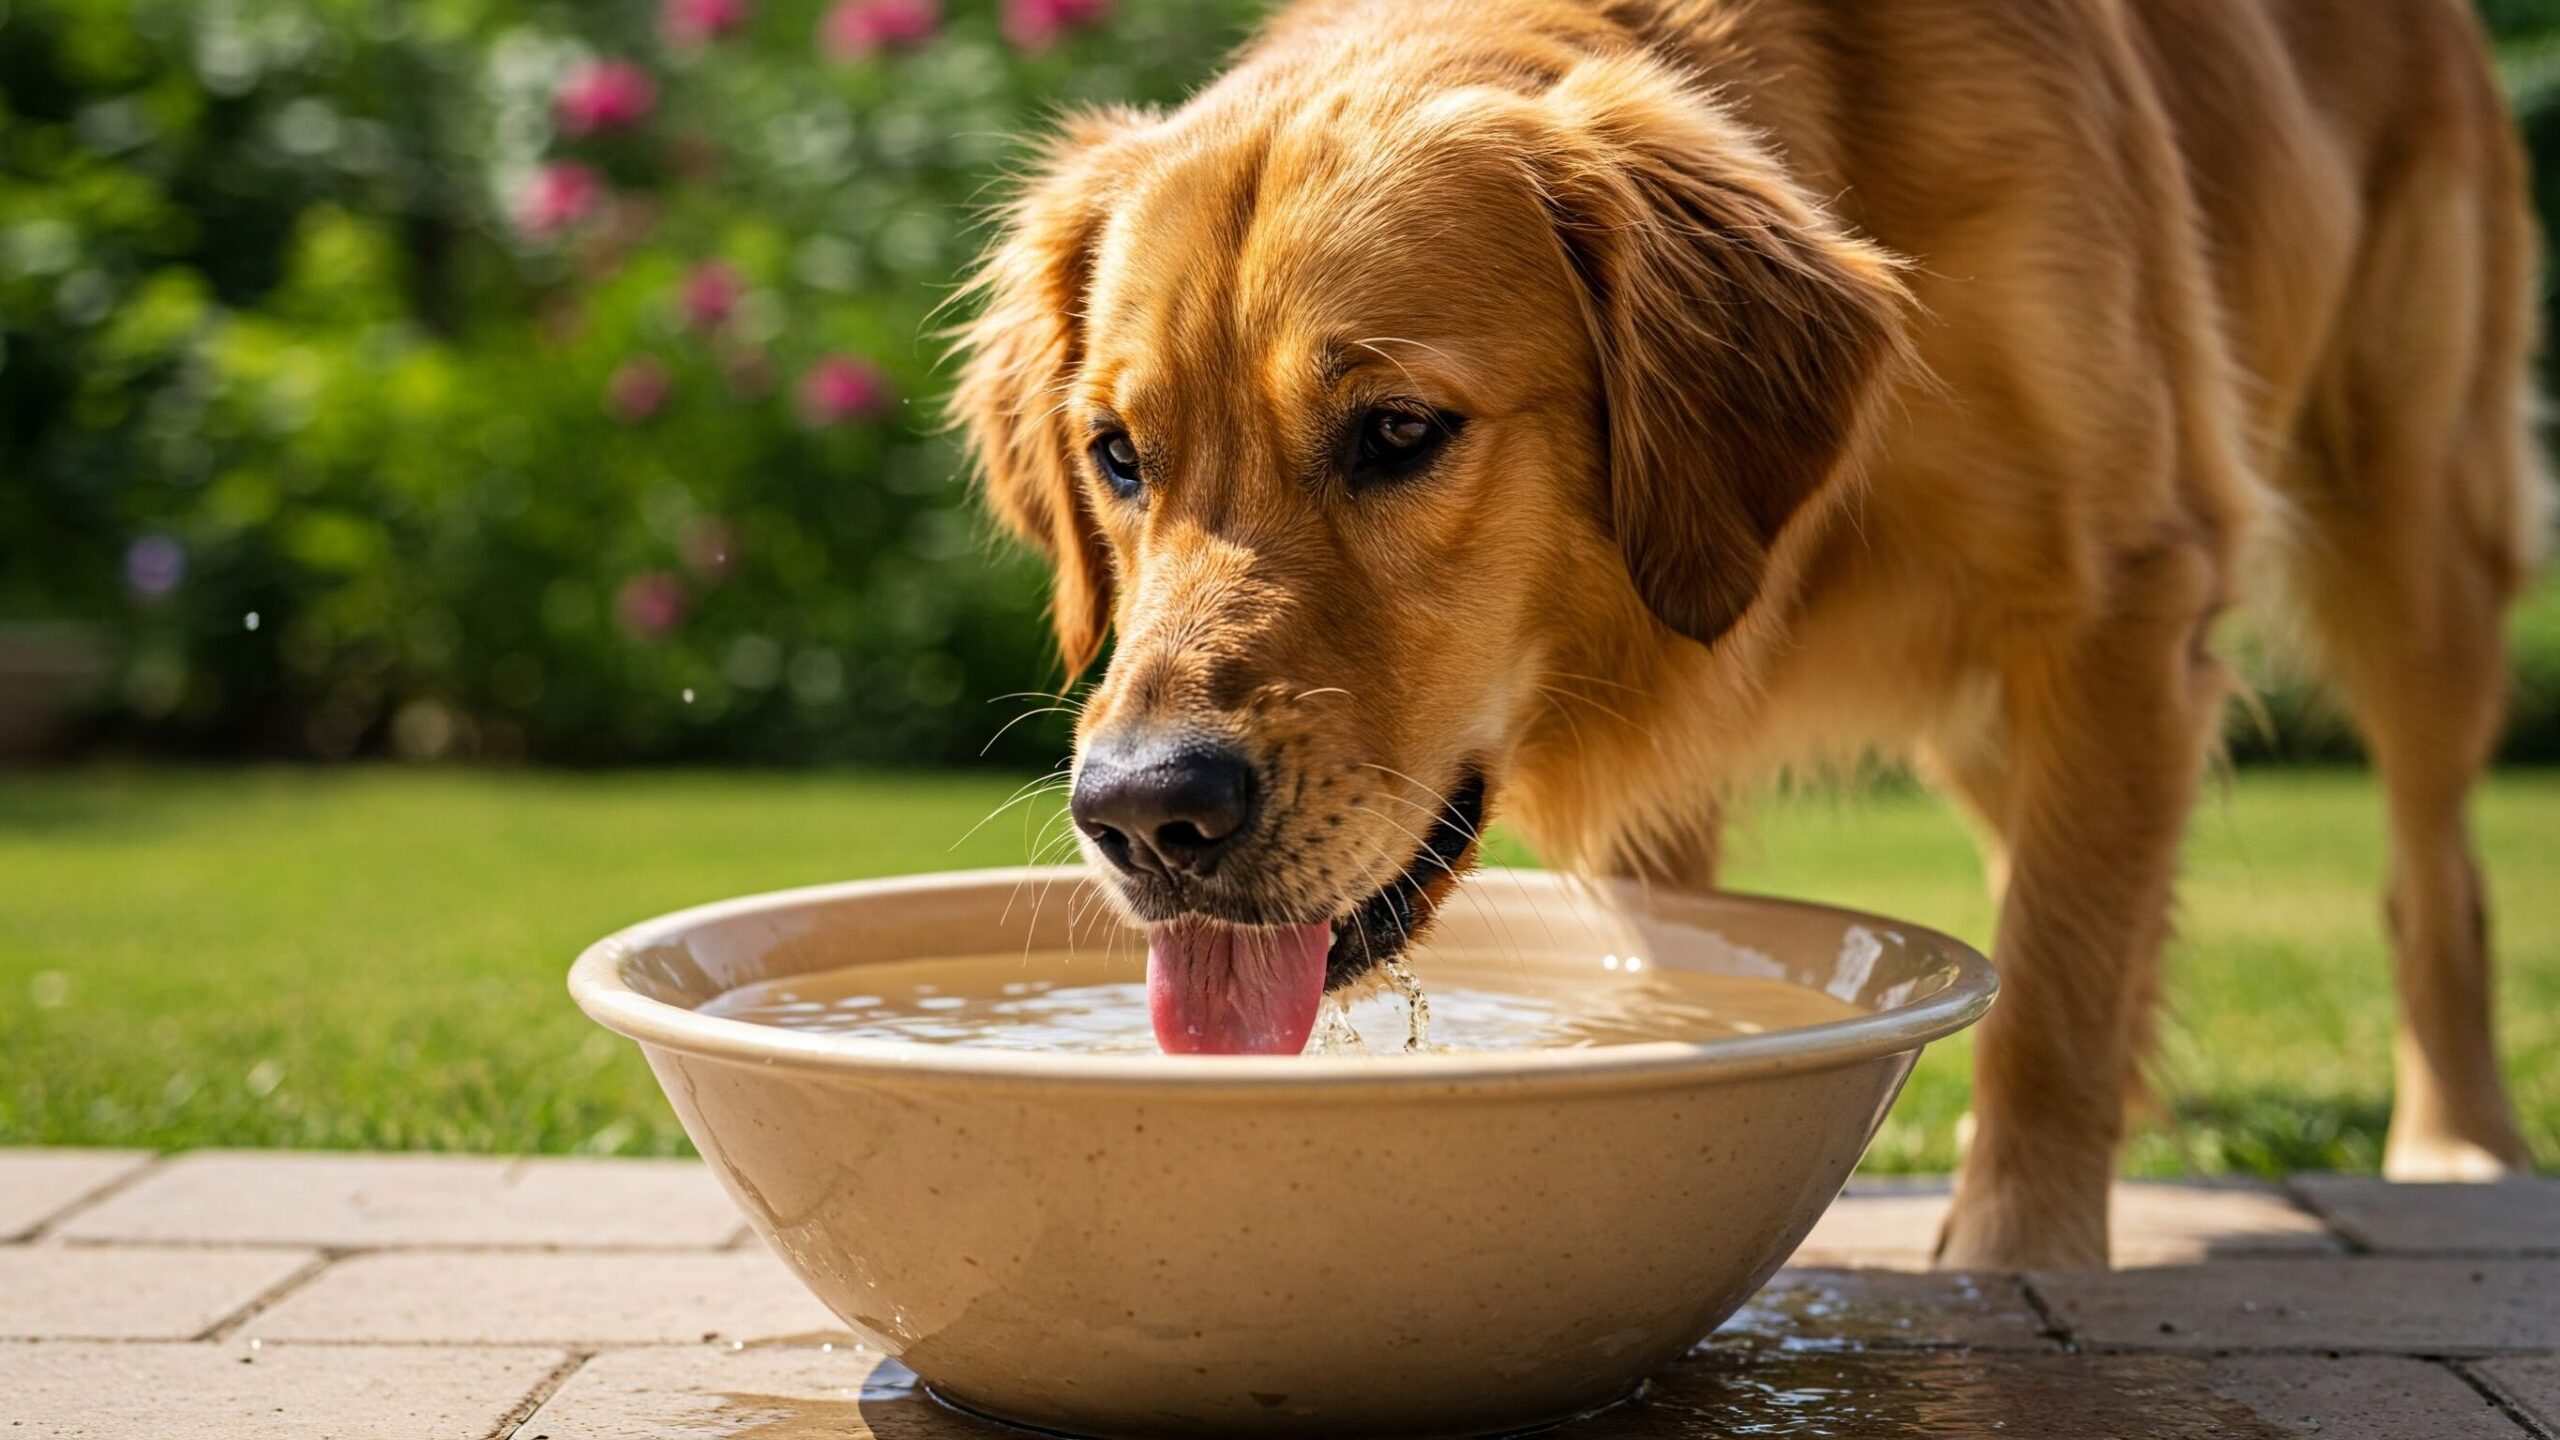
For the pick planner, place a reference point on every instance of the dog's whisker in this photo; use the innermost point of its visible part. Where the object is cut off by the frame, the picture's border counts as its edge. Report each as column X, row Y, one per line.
column 1055, row 834
column 1445, row 808
column 1374, row 341
column 1046, row 785
column 1490, row 917
column 1011, row 896
column 1573, row 698
column 1494, row 919
column 1018, row 719
column 1581, row 742
column 1637, row 690
column 1565, row 699
column 1390, row 359
column 1422, row 847
column 1032, row 930
column 1031, row 859
column 1076, row 703
column 1053, row 773
column 1562, row 703
column 1050, row 781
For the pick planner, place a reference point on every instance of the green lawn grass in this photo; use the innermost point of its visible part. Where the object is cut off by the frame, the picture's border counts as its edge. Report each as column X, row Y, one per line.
column 374, row 957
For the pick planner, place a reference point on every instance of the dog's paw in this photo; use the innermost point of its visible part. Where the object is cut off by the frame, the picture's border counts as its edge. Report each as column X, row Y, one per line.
column 2440, row 1159
column 1989, row 1229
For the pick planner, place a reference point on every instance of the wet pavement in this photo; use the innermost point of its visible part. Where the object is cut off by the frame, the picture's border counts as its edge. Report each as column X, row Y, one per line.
column 362, row 1297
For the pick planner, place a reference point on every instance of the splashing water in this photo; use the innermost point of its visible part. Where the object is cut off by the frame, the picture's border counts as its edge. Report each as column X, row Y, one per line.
column 1335, row 1034
column 1417, row 1006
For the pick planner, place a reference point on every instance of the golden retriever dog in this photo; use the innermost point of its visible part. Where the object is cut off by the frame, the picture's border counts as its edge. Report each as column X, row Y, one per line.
column 1578, row 411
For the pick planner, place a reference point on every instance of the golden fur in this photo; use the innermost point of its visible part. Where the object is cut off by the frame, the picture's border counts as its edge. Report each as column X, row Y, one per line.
column 1910, row 376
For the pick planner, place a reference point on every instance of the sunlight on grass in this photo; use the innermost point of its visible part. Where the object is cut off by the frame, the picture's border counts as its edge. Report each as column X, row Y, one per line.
column 374, row 957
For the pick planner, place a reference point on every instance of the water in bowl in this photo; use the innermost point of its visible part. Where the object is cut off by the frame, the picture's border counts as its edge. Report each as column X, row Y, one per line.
column 1090, row 1002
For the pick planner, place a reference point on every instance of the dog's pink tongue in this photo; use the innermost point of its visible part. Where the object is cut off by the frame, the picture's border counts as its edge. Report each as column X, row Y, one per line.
column 1215, row 989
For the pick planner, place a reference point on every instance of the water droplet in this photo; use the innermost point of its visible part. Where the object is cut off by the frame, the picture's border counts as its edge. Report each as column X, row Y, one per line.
column 1417, row 1036
column 1335, row 1034
column 250, row 620
column 688, row 694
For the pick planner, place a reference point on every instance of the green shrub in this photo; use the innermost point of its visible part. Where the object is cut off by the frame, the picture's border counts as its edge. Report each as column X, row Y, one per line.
column 354, row 451
column 2287, row 717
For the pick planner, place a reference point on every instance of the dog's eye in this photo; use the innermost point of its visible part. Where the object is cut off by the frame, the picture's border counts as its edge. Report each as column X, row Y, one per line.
column 1116, row 457
column 1391, row 444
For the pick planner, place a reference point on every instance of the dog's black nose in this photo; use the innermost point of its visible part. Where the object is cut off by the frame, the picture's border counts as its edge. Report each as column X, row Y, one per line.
column 1165, row 809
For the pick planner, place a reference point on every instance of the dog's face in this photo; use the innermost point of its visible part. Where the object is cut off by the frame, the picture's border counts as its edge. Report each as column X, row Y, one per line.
column 1362, row 430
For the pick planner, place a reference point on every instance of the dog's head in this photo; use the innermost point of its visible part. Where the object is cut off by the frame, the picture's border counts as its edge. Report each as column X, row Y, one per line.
column 1364, row 416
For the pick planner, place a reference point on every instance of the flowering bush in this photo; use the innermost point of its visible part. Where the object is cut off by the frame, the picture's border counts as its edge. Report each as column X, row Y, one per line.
column 507, row 377
column 550, row 380
column 856, row 28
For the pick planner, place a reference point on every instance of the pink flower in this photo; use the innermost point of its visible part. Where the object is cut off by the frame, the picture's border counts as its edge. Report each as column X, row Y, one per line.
column 651, row 605
column 839, row 388
column 852, row 29
column 637, row 390
column 560, row 195
column 1036, row 24
column 692, row 24
column 603, row 97
column 709, row 294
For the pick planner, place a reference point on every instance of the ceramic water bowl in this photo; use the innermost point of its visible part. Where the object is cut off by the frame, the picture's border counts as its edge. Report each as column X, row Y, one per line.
column 1150, row 1245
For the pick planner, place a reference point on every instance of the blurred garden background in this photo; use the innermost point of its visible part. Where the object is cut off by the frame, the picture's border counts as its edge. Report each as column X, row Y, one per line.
column 470, row 476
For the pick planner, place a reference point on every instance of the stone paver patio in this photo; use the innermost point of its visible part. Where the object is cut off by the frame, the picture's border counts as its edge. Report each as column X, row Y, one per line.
column 370, row 1297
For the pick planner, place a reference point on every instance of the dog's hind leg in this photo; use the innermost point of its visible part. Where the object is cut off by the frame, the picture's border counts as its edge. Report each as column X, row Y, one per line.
column 2101, row 744
column 2409, row 633
column 2430, row 727
column 2422, row 504
column 2407, row 626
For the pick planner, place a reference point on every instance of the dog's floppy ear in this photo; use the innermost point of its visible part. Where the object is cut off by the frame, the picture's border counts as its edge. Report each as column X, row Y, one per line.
column 1020, row 352
column 1743, row 336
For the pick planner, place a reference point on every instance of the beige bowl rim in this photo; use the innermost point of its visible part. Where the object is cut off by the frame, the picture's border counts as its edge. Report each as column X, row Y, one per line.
column 596, row 982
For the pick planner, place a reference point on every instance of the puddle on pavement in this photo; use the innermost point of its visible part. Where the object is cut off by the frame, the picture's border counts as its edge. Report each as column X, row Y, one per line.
column 887, row 1404
column 1833, row 1312
column 1827, row 1318
column 1717, row 1393
column 1759, row 1393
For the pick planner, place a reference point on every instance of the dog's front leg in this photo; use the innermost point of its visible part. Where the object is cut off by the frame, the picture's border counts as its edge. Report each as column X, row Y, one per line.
column 2087, row 788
